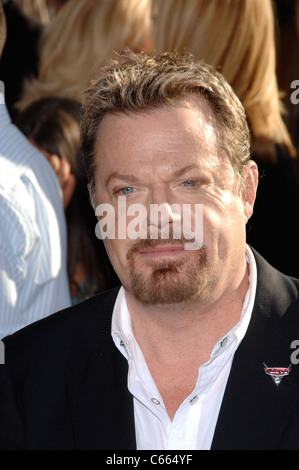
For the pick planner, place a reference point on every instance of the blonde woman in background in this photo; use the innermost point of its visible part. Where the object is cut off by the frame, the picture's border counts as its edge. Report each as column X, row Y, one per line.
column 80, row 39
column 36, row 10
column 238, row 38
column 41, row 11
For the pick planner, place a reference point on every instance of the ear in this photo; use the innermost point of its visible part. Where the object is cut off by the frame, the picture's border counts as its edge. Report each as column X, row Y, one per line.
column 89, row 190
column 54, row 161
column 91, row 196
column 250, row 185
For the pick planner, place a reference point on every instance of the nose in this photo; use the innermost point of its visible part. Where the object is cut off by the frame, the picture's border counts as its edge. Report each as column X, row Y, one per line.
column 163, row 214
column 164, row 218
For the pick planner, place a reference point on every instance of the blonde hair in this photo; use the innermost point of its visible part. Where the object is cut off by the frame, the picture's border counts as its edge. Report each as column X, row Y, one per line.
column 80, row 39
column 238, row 38
column 36, row 10
column 136, row 83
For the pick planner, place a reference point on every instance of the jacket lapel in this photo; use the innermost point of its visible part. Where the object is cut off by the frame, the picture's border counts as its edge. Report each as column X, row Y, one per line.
column 100, row 403
column 101, row 406
column 255, row 411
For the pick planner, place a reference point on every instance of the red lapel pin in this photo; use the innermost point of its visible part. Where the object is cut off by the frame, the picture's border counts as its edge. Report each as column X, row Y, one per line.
column 277, row 373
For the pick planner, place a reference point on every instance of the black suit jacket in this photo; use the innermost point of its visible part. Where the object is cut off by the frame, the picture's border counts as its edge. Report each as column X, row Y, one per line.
column 64, row 383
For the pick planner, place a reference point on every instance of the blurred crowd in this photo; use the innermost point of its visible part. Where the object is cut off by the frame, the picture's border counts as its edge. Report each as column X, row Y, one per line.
column 53, row 49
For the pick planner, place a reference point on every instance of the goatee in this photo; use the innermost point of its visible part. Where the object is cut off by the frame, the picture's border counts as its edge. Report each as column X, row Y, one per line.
column 171, row 280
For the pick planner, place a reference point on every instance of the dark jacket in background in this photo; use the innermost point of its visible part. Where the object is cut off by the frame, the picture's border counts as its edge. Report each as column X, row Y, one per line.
column 273, row 229
column 20, row 54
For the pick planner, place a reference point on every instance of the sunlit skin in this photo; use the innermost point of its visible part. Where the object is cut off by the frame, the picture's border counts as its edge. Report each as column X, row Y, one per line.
column 172, row 156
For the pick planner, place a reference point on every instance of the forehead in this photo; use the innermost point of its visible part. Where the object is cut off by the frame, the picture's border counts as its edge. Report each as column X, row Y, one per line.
column 174, row 135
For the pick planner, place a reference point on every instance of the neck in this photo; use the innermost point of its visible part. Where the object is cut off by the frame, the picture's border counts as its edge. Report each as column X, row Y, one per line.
column 193, row 326
column 177, row 339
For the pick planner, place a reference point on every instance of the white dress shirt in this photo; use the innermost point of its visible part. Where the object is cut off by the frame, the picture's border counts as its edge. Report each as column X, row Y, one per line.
column 194, row 423
column 33, row 275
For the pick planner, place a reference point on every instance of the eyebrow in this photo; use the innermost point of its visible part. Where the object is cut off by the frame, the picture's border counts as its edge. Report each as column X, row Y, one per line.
column 116, row 175
column 133, row 179
column 185, row 169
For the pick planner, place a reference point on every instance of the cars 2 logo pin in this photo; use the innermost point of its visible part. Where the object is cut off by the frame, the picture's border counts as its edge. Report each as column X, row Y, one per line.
column 277, row 373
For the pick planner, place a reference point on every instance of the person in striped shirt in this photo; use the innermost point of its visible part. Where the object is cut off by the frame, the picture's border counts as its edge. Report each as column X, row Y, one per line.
column 33, row 274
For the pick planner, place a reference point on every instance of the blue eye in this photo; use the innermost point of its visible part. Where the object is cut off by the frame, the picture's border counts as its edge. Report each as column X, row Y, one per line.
column 189, row 183
column 127, row 190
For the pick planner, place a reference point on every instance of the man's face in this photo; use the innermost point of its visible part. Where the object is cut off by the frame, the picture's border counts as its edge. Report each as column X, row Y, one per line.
column 165, row 158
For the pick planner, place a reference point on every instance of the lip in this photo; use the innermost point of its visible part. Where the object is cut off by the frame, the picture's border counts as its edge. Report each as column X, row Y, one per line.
column 165, row 250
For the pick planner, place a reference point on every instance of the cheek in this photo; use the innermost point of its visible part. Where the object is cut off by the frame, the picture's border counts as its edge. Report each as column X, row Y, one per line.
column 116, row 251
column 224, row 228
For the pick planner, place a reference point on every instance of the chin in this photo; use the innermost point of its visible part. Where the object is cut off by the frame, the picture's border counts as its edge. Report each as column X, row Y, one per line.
column 168, row 283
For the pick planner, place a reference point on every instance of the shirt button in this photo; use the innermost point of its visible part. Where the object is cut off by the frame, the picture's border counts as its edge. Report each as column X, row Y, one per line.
column 194, row 400
column 155, row 401
column 224, row 342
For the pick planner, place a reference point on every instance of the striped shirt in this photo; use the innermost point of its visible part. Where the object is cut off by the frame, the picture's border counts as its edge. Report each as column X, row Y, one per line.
column 33, row 275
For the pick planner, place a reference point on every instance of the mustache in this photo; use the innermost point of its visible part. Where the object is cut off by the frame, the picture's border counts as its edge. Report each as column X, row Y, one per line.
column 148, row 243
